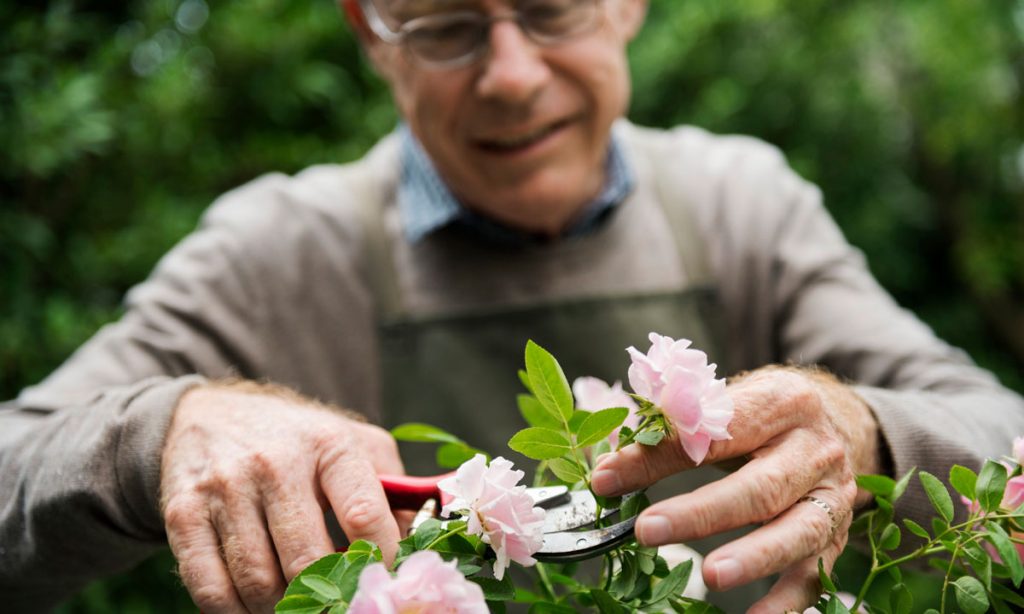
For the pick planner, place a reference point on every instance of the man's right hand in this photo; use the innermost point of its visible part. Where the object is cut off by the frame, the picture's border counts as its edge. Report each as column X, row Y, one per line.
column 247, row 472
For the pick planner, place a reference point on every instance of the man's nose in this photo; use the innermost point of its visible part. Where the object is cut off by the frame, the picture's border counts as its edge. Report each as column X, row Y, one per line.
column 514, row 70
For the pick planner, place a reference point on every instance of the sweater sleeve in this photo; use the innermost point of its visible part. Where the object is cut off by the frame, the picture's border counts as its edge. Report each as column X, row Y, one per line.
column 80, row 452
column 796, row 291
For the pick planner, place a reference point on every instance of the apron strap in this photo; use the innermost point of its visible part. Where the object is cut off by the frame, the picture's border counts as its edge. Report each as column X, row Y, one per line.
column 372, row 184
column 674, row 201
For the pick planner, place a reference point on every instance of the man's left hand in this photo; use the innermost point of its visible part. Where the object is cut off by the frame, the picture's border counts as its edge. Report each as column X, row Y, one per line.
column 805, row 436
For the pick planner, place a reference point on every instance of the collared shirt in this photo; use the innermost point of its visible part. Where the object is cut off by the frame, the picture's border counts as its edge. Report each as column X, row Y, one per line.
column 426, row 204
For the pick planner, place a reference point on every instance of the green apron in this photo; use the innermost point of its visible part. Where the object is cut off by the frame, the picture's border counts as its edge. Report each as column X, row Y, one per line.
column 459, row 371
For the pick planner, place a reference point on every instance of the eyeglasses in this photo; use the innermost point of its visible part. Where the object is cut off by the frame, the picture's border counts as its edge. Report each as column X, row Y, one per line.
column 458, row 38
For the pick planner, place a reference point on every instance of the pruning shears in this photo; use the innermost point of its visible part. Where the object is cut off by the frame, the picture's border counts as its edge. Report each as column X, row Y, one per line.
column 566, row 514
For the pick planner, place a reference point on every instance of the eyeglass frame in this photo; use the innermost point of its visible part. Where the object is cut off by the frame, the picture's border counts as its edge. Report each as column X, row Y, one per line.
column 376, row 24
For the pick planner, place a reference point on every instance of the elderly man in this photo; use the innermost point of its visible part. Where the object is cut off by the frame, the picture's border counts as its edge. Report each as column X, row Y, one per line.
column 512, row 203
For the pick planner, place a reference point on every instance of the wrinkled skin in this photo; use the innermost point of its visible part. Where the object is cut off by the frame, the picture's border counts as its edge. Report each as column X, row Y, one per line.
column 801, row 433
column 247, row 474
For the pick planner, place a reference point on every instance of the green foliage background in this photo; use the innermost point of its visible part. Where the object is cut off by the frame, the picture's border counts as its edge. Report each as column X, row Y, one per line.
column 121, row 121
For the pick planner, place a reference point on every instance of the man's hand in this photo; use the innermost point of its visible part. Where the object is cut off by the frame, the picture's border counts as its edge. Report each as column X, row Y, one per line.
column 247, row 472
column 804, row 434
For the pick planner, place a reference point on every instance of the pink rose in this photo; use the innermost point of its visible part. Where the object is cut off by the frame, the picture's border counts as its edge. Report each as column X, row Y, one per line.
column 424, row 584
column 594, row 394
column 1018, row 450
column 497, row 508
column 1013, row 496
column 682, row 384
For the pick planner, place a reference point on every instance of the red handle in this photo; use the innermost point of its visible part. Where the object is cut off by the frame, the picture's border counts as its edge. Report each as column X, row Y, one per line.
column 410, row 492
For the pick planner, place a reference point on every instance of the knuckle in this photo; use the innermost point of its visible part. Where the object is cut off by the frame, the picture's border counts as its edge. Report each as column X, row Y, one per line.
column 258, row 584
column 211, row 597
column 300, row 562
column 361, row 516
column 768, row 498
column 180, row 512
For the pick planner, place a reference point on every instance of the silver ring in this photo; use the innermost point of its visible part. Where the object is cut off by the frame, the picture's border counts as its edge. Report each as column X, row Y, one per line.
column 833, row 519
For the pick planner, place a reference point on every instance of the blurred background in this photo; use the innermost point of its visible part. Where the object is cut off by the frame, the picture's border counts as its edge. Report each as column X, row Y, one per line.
column 121, row 121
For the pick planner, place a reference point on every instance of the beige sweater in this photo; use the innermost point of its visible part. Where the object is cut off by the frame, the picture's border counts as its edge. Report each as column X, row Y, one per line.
column 274, row 284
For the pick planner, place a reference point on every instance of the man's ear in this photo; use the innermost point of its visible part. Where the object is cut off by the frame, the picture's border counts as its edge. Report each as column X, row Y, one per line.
column 630, row 15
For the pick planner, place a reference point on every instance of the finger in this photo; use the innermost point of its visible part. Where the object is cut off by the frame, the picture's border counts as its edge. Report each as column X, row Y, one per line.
column 358, row 500
column 381, row 448
column 766, row 407
column 758, row 492
column 799, row 587
column 296, row 522
column 248, row 550
column 193, row 540
column 799, row 533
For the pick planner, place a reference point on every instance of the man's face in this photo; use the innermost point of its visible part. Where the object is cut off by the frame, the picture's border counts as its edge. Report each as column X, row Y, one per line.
column 521, row 134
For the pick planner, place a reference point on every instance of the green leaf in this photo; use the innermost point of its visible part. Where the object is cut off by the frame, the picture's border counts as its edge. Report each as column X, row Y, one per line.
column 1008, row 595
column 567, row 470
column 496, row 590
column 536, row 414
column 299, row 604
column 548, row 381
column 901, row 485
column 524, row 379
column 579, row 416
column 322, row 588
column 835, row 606
column 937, row 494
column 650, row 438
column 539, row 443
column 349, row 580
column 645, row 559
column 673, row 584
column 963, row 480
column 452, row 455
column 901, row 599
column 545, row 607
column 998, row 537
column 606, row 604
column 330, row 567
column 824, row 578
column 624, row 581
column 600, row 424
column 991, row 484
column 980, row 562
column 890, row 539
column 414, row 431
column 915, row 528
column 876, row 484
column 939, row 526
column 634, row 505
column 970, row 595
column 426, row 533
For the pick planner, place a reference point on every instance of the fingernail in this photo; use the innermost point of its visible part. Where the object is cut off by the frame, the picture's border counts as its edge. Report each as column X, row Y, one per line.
column 605, row 482
column 654, row 530
column 727, row 573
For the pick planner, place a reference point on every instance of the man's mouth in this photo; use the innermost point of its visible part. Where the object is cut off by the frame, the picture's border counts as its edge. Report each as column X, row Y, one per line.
column 518, row 142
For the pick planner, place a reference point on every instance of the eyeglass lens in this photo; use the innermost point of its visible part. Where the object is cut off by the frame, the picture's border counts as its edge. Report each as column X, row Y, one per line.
column 463, row 35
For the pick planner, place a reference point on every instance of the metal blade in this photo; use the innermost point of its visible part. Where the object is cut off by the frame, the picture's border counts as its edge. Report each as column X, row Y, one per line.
column 578, row 512
column 569, row 546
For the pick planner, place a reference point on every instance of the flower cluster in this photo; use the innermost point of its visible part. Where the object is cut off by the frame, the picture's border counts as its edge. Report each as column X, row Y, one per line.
column 497, row 508
column 424, row 583
column 679, row 380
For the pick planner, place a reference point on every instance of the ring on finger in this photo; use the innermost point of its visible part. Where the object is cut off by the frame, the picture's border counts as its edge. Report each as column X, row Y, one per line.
column 827, row 507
